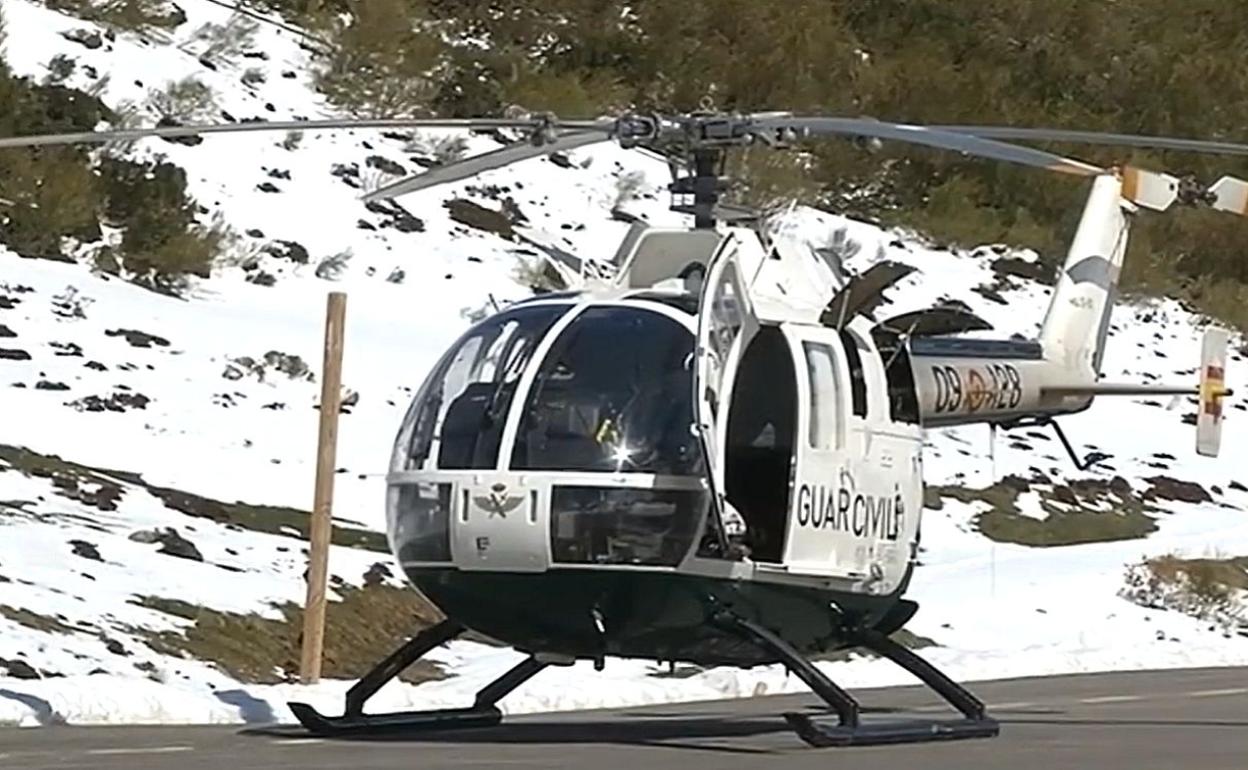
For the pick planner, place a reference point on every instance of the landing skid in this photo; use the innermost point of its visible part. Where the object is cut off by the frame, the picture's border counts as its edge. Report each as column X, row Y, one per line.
column 482, row 713
column 850, row 730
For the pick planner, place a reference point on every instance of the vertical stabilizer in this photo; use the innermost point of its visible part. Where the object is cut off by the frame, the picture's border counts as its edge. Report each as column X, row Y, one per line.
column 1212, row 390
column 1077, row 322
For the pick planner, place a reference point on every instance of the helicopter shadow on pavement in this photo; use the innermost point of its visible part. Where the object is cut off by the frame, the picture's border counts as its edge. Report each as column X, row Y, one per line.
column 668, row 731
column 702, row 730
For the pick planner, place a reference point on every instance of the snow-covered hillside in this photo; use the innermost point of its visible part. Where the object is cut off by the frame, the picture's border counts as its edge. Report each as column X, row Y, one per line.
column 152, row 448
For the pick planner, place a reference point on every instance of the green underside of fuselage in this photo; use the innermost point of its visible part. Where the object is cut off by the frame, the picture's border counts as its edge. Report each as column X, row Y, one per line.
column 660, row 616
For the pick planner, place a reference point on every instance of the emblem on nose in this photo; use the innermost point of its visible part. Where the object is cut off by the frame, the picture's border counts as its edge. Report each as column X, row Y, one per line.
column 498, row 502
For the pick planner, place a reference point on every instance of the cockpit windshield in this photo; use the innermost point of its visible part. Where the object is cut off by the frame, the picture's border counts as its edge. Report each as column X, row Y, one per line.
column 613, row 394
column 458, row 419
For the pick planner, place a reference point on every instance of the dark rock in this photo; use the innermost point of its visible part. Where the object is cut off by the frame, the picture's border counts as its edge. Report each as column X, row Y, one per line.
column 6, row 331
column 396, row 216
column 67, row 349
column 277, row 173
column 12, row 354
column 268, row 187
column 19, row 669
column 989, row 293
column 96, row 365
column 137, row 338
column 1238, row 487
column 255, row 232
column 291, row 250
column 115, row 647
column 117, row 402
column 386, row 165
column 8, row 303
column 87, row 38
column 472, row 214
column 262, row 278
column 1016, row 482
column 173, row 544
column 377, row 574
column 1064, row 494
column 932, row 498
column 1169, row 488
column 189, row 141
column 1013, row 266
column 347, row 172
column 86, row 550
column 49, row 385
column 1120, row 486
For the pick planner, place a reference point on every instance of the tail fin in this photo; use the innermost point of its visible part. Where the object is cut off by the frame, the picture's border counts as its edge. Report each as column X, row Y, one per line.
column 1212, row 390
column 1077, row 321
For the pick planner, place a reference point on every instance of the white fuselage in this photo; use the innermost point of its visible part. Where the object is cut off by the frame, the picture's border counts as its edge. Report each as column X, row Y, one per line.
column 828, row 484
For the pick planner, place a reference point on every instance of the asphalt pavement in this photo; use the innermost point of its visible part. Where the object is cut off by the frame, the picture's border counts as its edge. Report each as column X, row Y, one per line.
column 1158, row 720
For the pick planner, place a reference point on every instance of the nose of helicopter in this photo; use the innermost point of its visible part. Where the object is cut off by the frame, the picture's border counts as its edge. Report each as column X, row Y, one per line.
column 500, row 525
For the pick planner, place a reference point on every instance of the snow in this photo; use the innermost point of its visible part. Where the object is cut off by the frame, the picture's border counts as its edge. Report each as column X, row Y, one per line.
column 996, row 610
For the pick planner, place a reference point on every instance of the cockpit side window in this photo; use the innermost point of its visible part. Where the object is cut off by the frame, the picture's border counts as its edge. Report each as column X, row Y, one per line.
column 613, row 394
column 458, row 418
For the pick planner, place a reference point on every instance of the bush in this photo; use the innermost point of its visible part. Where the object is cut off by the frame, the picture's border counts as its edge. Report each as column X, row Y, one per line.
column 1208, row 589
column 162, row 243
column 53, row 192
column 142, row 16
column 382, row 64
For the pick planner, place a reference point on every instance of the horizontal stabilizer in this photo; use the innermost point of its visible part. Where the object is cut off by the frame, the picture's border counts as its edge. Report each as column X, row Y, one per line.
column 1149, row 189
column 1230, row 194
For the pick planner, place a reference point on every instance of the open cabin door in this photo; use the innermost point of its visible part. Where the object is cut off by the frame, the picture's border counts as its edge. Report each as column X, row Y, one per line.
column 726, row 324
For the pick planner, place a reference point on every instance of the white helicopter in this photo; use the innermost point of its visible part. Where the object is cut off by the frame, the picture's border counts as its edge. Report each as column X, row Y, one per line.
column 707, row 452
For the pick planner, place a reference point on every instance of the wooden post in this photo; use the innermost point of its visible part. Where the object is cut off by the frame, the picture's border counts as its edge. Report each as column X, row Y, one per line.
column 320, row 529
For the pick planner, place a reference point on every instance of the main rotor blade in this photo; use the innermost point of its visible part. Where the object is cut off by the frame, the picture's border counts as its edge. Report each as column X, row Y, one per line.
column 1100, row 137
column 129, row 134
column 469, row 167
column 947, row 140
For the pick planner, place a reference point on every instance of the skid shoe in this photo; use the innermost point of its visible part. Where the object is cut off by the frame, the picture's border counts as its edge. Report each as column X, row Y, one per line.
column 482, row 713
column 850, row 729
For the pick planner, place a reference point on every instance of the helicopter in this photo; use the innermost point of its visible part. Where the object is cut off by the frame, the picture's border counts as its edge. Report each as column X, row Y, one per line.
column 708, row 450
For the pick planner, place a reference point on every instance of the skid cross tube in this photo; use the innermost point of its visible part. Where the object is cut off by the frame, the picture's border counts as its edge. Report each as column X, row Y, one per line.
column 482, row 713
column 851, row 730
column 394, row 663
column 842, row 703
column 957, row 695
